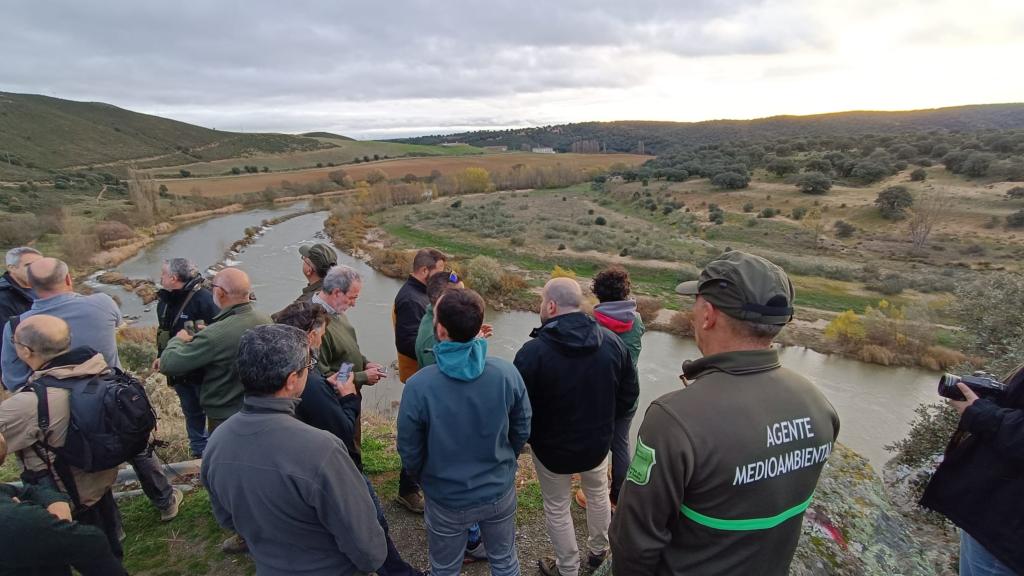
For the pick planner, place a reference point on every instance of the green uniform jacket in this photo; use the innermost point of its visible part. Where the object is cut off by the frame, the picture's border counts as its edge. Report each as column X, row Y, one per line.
column 340, row 345
column 214, row 350
column 723, row 471
column 425, row 339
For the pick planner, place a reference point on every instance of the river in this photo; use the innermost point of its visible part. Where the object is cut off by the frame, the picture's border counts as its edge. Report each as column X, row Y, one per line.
column 875, row 403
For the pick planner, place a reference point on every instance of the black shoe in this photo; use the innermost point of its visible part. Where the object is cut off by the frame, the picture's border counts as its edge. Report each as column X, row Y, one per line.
column 548, row 567
column 595, row 560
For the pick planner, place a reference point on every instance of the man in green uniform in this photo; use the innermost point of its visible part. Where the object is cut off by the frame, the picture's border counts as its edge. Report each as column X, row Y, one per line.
column 725, row 467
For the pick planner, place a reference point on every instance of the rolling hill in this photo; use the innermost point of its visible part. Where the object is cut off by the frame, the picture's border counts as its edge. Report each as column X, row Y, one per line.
column 659, row 137
column 39, row 134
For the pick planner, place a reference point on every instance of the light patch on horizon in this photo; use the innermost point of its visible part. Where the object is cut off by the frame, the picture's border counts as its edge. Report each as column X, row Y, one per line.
column 418, row 69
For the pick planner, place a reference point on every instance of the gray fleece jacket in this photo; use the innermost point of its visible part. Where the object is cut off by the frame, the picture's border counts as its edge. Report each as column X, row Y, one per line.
column 292, row 492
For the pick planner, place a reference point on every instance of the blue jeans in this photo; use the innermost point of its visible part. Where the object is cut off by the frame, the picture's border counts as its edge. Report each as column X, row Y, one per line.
column 447, row 534
column 620, row 454
column 195, row 417
column 975, row 560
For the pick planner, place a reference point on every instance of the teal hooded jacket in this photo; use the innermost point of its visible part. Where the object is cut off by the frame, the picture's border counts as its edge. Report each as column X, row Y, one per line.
column 462, row 424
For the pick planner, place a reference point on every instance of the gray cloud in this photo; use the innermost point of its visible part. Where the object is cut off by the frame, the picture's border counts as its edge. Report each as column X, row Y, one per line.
column 227, row 58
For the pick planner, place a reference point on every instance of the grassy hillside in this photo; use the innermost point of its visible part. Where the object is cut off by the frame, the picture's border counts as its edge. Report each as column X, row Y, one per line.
column 661, row 136
column 39, row 134
column 327, row 135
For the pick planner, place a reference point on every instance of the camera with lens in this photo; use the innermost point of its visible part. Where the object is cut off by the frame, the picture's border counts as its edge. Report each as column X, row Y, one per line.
column 983, row 384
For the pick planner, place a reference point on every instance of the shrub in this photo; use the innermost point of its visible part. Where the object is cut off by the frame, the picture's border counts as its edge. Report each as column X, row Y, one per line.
column 680, row 325
column 846, row 329
column 730, row 180
column 18, row 229
column 890, row 284
column 814, row 183
column 918, row 175
column 992, row 222
column 236, row 170
column 561, row 246
column 1016, row 193
column 110, row 232
column 600, row 221
column 844, row 229
column 930, row 430
column 748, row 207
column 483, row 274
column 184, row 173
column 1015, row 220
column 767, row 213
column 648, row 308
column 456, row 204
column 798, row 213
column 559, row 272
column 893, row 202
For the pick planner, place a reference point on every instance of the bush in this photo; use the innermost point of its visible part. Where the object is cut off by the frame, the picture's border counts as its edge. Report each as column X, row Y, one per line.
column 1015, row 220
column 456, row 204
column 893, row 202
column 559, row 272
column 929, row 433
column 730, row 180
column 844, row 229
column 748, row 207
column 767, row 213
column 798, row 213
column 18, row 229
column 648, row 308
column 890, row 284
column 680, row 325
column 782, row 166
column 1016, row 193
column 236, row 170
column 483, row 274
column 846, row 329
column 110, row 232
column 184, row 173
column 561, row 246
column 918, row 175
column 600, row 221
column 814, row 183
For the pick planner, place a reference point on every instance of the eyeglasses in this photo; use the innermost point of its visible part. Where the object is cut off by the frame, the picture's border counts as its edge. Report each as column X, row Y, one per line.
column 24, row 346
column 212, row 285
column 312, row 362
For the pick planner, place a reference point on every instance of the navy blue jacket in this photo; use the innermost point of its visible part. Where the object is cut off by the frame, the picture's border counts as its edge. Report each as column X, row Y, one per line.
column 322, row 408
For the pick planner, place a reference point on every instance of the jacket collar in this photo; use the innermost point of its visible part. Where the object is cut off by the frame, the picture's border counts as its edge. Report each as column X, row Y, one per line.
column 735, row 363
column 233, row 310
column 8, row 283
column 318, row 299
column 56, row 299
column 312, row 288
column 75, row 363
column 415, row 283
column 269, row 405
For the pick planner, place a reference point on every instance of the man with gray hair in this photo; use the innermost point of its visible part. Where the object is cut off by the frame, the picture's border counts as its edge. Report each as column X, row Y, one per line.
column 290, row 490
column 580, row 379
column 184, row 303
column 16, row 295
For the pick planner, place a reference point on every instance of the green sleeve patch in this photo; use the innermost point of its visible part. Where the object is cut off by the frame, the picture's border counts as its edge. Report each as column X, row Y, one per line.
column 643, row 462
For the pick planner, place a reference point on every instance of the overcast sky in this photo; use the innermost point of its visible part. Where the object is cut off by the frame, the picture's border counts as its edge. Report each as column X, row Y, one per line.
column 400, row 68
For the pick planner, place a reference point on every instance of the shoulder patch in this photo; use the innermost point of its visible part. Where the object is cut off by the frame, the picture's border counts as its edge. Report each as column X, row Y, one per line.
column 643, row 462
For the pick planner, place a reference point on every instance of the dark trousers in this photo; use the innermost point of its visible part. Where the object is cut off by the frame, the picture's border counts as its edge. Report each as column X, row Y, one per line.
column 620, row 454
column 393, row 564
column 407, row 484
column 150, row 473
column 105, row 516
column 195, row 416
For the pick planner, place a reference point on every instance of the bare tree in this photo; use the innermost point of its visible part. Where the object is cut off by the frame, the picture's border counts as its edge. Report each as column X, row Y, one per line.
column 144, row 195
column 929, row 209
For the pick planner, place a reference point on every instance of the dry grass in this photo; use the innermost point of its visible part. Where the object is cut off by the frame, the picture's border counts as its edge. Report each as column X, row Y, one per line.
column 244, row 184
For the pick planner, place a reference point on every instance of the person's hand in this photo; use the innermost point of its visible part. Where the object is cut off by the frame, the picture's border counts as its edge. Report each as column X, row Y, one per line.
column 346, row 388
column 961, row 405
column 62, row 510
column 183, row 335
column 374, row 373
column 155, row 367
column 486, row 331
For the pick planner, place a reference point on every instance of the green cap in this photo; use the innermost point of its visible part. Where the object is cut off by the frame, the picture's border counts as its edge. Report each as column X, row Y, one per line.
column 321, row 256
column 746, row 287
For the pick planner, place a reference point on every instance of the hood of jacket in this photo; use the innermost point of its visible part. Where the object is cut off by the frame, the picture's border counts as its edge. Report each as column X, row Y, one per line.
column 573, row 334
column 76, row 363
column 461, row 360
column 617, row 316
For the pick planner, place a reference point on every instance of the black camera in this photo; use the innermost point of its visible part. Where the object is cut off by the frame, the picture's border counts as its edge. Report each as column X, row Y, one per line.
column 983, row 384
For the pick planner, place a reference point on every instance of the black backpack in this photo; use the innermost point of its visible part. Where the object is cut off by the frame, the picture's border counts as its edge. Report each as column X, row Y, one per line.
column 111, row 420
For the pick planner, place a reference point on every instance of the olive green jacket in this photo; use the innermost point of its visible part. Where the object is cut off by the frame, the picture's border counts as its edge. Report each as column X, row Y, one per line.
column 340, row 345
column 214, row 350
column 425, row 339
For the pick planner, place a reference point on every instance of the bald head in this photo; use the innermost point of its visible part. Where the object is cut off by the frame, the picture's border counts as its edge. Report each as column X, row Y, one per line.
column 234, row 285
column 560, row 296
column 41, row 338
column 49, row 276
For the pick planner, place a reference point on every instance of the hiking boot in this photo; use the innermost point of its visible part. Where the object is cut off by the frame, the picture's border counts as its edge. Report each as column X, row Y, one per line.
column 171, row 511
column 475, row 553
column 413, row 502
column 595, row 560
column 548, row 566
column 234, row 545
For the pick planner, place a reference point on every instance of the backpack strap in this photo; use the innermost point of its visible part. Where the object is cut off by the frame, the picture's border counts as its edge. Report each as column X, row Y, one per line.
column 56, row 468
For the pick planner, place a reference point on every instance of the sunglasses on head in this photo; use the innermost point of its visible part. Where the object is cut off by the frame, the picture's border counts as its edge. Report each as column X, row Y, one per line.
column 452, row 276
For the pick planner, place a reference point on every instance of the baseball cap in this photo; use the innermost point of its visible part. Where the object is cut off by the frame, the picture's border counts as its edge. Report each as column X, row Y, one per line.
column 746, row 287
column 321, row 256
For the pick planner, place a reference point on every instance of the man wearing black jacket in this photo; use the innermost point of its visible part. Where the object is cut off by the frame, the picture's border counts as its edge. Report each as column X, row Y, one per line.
column 580, row 378
column 979, row 484
column 184, row 302
column 16, row 295
column 410, row 305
